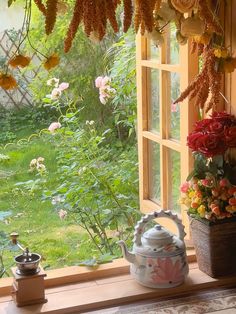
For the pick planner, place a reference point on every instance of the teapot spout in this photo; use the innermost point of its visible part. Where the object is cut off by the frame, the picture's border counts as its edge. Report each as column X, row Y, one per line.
column 130, row 257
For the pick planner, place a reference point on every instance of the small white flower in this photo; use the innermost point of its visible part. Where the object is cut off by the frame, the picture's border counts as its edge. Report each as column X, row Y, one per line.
column 41, row 167
column 40, row 160
column 53, row 82
column 33, row 163
column 89, row 122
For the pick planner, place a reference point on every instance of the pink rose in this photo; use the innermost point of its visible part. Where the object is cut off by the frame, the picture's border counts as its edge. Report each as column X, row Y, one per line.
column 174, row 107
column 63, row 86
column 56, row 93
column 54, row 126
column 206, row 182
column 62, row 214
column 98, row 81
column 103, row 99
column 224, row 182
column 105, row 81
column 102, row 81
column 184, row 187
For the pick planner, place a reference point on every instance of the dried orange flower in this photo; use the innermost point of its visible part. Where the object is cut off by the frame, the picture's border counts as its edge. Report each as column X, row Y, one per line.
column 7, row 81
column 229, row 65
column 19, row 61
column 51, row 62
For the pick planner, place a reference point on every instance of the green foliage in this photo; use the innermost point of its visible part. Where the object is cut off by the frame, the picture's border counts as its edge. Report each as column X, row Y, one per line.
column 98, row 181
column 120, row 58
column 80, row 66
column 18, row 123
column 92, row 171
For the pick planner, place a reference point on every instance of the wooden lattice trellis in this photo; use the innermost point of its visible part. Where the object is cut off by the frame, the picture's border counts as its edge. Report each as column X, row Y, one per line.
column 22, row 95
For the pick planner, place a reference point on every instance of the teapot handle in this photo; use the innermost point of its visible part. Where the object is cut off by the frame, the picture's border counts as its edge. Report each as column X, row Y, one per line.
column 139, row 228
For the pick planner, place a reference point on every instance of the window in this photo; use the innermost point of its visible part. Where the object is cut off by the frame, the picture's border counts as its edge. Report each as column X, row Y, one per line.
column 164, row 159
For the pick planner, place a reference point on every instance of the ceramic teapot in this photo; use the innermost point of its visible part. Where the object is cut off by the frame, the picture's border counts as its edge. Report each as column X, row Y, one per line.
column 158, row 259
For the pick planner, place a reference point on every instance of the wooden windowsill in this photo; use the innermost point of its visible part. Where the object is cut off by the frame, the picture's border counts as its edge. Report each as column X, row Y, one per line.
column 77, row 274
column 112, row 291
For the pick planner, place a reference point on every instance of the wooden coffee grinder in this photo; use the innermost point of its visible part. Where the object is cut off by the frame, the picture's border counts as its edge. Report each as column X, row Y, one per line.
column 28, row 284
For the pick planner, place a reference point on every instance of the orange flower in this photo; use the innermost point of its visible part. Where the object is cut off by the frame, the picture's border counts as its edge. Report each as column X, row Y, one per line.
column 7, row 81
column 51, row 62
column 229, row 65
column 19, row 61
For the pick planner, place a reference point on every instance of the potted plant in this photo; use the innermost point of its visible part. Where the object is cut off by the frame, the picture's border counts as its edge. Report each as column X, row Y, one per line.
column 210, row 193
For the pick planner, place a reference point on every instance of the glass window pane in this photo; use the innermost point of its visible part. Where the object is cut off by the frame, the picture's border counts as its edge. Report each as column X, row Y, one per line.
column 154, row 101
column 174, row 88
column 154, row 52
column 154, row 172
column 172, row 45
column 174, row 183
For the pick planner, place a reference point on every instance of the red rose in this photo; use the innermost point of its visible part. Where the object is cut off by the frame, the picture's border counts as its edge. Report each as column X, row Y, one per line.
column 216, row 127
column 230, row 136
column 192, row 140
column 224, row 118
column 208, row 144
column 202, row 125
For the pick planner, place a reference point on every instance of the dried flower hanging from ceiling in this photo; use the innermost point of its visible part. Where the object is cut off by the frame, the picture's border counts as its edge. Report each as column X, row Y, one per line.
column 51, row 15
column 195, row 20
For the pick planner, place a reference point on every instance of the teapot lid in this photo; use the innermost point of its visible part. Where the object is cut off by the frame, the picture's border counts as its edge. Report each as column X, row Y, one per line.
column 158, row 233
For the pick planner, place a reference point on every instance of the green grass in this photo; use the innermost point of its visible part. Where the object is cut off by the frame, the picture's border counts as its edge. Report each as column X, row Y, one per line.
column 60, row 242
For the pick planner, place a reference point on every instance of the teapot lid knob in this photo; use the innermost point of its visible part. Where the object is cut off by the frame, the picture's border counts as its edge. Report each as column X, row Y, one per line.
column 158, row 227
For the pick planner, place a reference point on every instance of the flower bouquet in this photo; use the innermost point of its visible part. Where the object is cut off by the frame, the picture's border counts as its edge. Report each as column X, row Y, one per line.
column 210, row 189
column 210, row 194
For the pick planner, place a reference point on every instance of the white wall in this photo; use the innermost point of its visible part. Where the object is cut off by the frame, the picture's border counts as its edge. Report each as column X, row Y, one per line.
column 10, row 17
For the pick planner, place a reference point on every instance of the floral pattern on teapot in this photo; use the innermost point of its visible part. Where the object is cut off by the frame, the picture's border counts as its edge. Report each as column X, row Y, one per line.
column 160, row 272
column 158, row 259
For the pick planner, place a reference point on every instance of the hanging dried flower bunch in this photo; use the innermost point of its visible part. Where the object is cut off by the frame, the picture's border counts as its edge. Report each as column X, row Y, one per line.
column 195, row 20
column 203, row 28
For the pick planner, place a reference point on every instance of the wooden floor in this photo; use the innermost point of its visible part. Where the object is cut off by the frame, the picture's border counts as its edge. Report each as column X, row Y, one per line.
column 113, row 291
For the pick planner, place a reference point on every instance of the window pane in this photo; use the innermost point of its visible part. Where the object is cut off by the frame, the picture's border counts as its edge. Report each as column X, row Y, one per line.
column 154, row 52
column 154, row 101
column 172, row 45
column 154, row 172
column 174, row 82
column 174, row 184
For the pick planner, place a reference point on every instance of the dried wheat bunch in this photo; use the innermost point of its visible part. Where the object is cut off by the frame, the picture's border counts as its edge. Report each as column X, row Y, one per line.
column 206, row 82
column 51, row 15
column 128, row 11
column 143, row 15
column 40, row 6
column 74, row 24
column 210, row 18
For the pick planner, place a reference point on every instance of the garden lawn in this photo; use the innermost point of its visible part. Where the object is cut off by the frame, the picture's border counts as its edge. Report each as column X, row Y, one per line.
column 60, row 242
